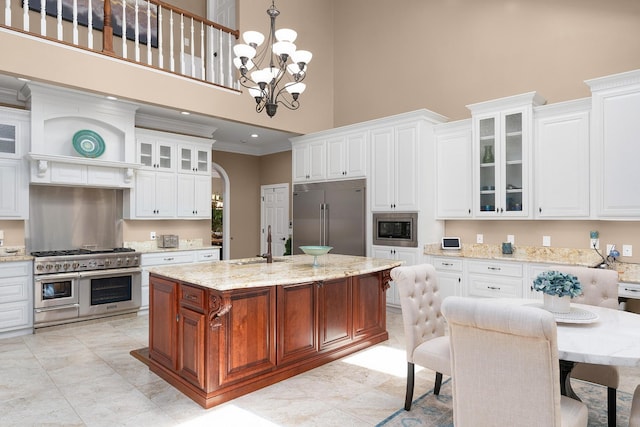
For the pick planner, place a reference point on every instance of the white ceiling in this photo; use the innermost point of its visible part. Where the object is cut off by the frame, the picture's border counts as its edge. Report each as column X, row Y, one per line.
column 229, row 136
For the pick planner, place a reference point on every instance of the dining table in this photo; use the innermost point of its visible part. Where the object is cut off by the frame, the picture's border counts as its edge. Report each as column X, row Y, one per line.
column 592, row 334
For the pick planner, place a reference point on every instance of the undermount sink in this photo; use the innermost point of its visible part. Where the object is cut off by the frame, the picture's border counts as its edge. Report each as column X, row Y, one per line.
column 254, row 261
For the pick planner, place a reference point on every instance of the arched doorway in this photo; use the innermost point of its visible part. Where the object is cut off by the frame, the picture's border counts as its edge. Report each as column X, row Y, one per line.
column 221, row 196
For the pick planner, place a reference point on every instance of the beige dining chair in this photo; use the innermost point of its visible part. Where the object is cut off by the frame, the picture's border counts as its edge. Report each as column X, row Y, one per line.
column 600, row 288
column 424, row 327
column 505, row 368
column 634, row 416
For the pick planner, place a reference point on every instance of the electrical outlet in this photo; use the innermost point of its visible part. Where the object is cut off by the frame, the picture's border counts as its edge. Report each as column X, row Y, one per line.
column 479, row 238
column 511, row 239
column 595, row 244
column 610, row 248
column 546, row 241
column 152, row 235
column 627, row 250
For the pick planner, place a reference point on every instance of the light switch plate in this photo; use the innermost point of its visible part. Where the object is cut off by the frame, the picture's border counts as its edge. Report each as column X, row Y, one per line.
column 479, row 238
column 546, row 241
column 627, row 250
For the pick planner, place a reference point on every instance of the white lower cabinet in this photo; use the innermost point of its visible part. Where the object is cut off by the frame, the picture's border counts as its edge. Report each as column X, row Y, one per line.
column 169, row 258
column 450, row 276
column 16, row 298
column 495, row 279
column 410, row 256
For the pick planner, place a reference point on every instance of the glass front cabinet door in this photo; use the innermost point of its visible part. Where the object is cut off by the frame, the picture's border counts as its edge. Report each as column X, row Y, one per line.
column 502, row 156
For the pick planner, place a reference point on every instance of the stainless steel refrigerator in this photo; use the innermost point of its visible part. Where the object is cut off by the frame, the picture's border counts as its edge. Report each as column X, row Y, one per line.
column 331, row 214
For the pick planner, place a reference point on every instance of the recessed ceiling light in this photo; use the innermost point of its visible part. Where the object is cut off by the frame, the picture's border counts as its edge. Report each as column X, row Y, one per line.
column 254, row 135
column 111, row 97
column 186, row 113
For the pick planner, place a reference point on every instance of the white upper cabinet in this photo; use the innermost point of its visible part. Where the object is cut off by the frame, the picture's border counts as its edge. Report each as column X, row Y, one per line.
column 14, row 179
column 502, row 134
column 454, row 194
column 615, row 142
column 347, row 156
column 394, row 167
column 309, row 160
column 194, row 196
column 194, row 159
column 561, row 160
column 156, row 155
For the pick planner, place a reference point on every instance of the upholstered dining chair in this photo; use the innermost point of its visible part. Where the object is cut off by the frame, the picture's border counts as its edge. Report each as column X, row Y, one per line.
column 424, row 327
column 599, row 287
column 634, row 416
column 505, row 368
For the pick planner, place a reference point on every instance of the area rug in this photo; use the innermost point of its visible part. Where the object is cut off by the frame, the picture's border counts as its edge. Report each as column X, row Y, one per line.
column 430, row 410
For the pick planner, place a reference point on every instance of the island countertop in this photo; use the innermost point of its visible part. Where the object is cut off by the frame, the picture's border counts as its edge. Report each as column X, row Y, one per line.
column 255, row 272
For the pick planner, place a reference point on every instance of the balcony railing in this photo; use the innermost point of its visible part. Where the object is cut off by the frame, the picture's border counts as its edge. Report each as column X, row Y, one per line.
column 147, row 32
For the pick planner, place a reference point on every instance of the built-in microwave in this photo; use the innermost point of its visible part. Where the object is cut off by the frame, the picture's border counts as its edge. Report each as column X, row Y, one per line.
column 395, row 229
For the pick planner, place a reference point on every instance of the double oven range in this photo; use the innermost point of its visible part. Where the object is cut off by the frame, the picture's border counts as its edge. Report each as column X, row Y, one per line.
column 78, row 284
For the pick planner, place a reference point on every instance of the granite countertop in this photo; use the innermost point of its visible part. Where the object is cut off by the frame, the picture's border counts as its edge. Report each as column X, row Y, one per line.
column 151, row 246
column 255, row 272
column 539, row 254
column 14, row 254
column 627, row 272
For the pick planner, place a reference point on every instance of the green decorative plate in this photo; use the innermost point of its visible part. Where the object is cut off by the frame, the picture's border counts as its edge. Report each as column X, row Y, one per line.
column 88, row 143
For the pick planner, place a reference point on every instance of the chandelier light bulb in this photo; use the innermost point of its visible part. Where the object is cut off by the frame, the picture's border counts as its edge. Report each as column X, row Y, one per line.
column 244, row 51
column 301, row 56
column 286, row 35
column 253, row 38
column 284, row 48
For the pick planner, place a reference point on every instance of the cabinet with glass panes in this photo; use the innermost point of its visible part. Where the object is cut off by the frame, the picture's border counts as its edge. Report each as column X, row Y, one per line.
column 501, row 141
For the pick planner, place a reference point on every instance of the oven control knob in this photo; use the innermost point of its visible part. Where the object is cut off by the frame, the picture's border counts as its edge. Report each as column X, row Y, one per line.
column 65, row 266
column 118, row 261
column 92, row 264
column 75, row 265
column 127, row 261
column 107, row 262
column 57, row 266
column 48, row 266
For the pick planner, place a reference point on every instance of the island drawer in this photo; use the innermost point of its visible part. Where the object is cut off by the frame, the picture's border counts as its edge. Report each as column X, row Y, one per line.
column 192, row 297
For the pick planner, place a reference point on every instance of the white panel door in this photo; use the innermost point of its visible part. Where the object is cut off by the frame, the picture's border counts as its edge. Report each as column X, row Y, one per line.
column 275, row 213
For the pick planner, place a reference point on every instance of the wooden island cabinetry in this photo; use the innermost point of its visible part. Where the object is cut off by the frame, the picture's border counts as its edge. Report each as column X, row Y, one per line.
column 215, row 344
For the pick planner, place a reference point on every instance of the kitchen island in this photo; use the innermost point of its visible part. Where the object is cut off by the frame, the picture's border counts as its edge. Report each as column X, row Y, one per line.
column 220, row 330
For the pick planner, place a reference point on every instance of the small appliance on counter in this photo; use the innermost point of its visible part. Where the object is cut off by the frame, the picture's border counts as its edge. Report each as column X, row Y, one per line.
column 451, row 243
column 168, row 241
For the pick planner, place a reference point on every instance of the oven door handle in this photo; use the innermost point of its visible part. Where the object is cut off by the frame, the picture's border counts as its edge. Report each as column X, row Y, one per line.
column 109, row 272
column 60, row 307
column 55, row 277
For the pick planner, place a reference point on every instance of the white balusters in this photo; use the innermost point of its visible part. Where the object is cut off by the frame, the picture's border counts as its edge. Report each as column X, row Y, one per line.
column 182, row 44
column 136, row 30
column 172, row 61
column 160, row 37
column 43, row 18
column 59, row 19
column 75, row 22
column 149, row 60
column 124, row 29
column 89, row 24
column 25, row 15
column 193, row 55
column 7, row 13
column 202, row 57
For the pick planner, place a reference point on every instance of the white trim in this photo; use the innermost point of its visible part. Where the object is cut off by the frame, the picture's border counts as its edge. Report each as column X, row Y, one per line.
column 226, row 216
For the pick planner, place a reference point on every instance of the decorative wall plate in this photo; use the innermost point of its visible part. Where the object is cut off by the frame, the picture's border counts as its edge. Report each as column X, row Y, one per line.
column 88, row 143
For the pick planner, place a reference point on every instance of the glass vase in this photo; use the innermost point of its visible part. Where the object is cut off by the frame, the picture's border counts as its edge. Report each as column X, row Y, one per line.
column 488, row 154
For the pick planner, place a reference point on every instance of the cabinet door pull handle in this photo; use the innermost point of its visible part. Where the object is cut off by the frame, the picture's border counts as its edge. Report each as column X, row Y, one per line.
column 631, row 290
column 540, row 210
column 495, row 288
column 177, row 318
column 448, row 264
column 494, row 268
column 169, row 259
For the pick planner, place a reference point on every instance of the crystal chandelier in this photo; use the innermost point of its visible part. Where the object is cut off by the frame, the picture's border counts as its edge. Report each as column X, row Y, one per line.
column 280, row 58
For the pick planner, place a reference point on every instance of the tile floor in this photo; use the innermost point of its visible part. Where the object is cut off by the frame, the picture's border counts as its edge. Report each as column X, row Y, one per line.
column 83, row 375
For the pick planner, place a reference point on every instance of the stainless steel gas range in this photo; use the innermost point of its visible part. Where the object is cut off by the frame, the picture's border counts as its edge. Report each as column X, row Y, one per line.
column 79, row 284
